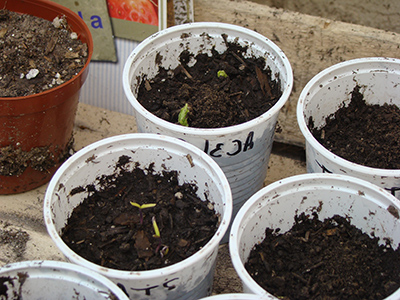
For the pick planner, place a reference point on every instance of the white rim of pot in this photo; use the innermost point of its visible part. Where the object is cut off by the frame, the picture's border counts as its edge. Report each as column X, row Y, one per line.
column 207, row 131
column 120, row 274
column 59, row 266
column 323, row 77
column 276, row 189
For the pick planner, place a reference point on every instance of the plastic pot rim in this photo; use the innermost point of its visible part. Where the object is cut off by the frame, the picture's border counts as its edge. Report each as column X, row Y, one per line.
column 121, row 274
column 313, row 141
column 206, row 131
column 59, row 266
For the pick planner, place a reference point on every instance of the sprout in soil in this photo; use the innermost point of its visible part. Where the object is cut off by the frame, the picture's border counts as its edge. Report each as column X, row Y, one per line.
column 141, row 207
column 164, row 250
column 222, row 73
column 156, row 229
column 183, row 115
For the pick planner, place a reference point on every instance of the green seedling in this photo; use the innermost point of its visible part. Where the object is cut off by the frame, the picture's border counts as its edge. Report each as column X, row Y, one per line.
column 156, row 229
column 222, row 73
column 183, row 115
column 141, row 207
column 164, row 250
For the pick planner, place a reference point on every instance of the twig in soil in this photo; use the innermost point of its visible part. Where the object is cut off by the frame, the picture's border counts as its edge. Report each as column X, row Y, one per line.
column 200, row 240
column 107, row 243
column 181, row 68
column 240, row 60
column 51, row 45
column 147, row 85
column 263, row 80
column 236, row 94
column 265, row 263
column 314, row 267
column 300, row 278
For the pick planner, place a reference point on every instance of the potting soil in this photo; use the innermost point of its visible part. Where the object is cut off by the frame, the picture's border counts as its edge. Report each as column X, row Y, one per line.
column 113, row 229
column 329, row 259
column 220, row 90
column 362, row 133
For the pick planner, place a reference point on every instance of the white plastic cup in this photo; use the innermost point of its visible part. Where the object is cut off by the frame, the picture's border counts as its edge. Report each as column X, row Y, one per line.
column 35, row 280
column 324, row 94
column 242, row 151
column 276, row 205
column 237, row 296
column 189, row 279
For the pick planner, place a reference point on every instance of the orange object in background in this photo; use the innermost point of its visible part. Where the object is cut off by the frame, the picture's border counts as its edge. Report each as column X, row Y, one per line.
column 142, row 11
column 45, row 119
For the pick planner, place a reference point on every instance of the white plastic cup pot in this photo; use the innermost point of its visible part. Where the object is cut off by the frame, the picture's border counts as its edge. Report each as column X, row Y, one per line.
column 237, row 297
column 189, row 279
column 242, row 151
column 35, row 280
column 276, row 205
column 324, row 94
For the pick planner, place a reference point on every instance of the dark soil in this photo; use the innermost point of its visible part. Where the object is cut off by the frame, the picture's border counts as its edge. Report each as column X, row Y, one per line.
column 365, row 134
column 108, row 230
column 244, row 94
column 329, row 259
column 28, row 45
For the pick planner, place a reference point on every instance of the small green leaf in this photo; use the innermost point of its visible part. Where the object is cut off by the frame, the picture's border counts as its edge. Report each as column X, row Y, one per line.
column 182, row 117
column 136, row 204
column 148, row 205
column 222, row 73
column 143, row 206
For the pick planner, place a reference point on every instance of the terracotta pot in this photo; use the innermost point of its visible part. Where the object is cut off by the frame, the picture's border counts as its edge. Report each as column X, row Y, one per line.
column 45, row 119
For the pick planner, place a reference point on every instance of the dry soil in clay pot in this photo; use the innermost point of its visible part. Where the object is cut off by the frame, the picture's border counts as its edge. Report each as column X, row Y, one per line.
column 220, row 90
column 115, row 225
column 362, row 133
column 36, row 54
